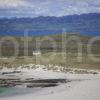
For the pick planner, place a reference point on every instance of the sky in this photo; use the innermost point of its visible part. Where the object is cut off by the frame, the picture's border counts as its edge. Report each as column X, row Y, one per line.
column 34, row 8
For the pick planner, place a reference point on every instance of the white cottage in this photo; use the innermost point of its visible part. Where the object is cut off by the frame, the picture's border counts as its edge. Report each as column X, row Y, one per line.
column 36, row 53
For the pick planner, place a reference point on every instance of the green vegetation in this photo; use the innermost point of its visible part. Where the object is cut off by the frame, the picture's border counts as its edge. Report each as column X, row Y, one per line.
column 56, row 59
column 68, row 58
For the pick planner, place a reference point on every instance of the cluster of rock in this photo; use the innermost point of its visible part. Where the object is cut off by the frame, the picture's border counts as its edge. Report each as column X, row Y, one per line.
column 30, row 82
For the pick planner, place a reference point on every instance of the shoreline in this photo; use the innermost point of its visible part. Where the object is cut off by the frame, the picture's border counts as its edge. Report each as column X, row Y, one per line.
column 59, row 92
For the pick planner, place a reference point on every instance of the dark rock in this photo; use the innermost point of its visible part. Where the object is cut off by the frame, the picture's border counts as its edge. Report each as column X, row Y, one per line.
column 42, row 85
column 14, row 72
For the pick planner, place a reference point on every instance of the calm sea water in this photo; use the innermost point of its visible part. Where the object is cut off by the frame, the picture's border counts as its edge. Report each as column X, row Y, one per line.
column 6, row 92
column 47, row 32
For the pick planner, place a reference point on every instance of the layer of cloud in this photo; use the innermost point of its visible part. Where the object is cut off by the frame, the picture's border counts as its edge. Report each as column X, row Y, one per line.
column 33, row 8
column 11, row 3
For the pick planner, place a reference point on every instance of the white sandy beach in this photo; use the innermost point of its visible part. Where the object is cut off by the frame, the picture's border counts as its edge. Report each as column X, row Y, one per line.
column 83, row 86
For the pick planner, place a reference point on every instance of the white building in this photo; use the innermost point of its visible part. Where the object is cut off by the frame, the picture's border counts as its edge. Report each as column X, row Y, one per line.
column 36, row 53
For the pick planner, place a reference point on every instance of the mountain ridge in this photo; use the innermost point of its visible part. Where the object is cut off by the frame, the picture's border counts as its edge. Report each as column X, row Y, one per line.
column 87, row 24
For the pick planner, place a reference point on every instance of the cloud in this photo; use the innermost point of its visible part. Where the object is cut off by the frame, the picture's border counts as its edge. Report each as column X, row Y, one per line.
column 33, row 8
column 11, row 3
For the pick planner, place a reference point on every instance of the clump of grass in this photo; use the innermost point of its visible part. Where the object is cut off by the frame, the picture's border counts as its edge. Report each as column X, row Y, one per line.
column 67, row 60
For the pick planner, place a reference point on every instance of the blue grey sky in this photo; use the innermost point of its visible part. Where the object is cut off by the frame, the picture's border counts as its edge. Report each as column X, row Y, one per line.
column 34, row 8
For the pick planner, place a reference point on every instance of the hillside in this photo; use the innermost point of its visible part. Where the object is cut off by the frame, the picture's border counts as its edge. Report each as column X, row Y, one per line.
column 52, row 52
column 47, row 43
